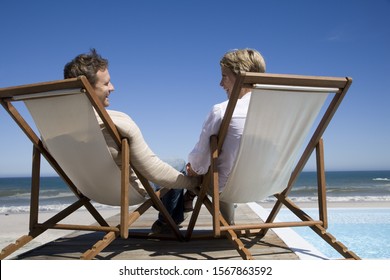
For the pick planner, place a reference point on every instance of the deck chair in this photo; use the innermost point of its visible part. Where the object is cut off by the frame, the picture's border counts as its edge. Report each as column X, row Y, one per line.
column 282, row 111
column 70, row 138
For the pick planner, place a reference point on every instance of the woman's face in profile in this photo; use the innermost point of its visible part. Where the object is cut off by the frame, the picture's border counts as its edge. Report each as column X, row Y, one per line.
column 227, row 81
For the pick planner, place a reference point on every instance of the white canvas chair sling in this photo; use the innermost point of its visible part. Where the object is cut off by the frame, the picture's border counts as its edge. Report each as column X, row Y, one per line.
column 277, row 123
column 72, row 142
column 281, row 113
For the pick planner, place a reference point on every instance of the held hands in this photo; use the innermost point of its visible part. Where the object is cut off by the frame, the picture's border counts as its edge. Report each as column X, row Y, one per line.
column 193, row 174
column 190, row 171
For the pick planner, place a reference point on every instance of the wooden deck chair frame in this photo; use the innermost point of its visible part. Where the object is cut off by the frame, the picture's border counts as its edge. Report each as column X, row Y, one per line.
column 39, row 90
column 248, row 80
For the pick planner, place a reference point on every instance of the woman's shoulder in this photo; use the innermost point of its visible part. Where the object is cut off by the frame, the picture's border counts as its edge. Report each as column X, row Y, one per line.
column 219, row 108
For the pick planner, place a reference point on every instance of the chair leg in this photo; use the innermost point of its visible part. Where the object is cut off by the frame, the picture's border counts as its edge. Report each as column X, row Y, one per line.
column 195, row 213
column 323, row 215
column 332, row 241
column 34, row 208
column 214, row 182
column 124, row 228
column 99, row 246
column 35, row 183
column 231, row 235
column 320, row 230
column 11, row 248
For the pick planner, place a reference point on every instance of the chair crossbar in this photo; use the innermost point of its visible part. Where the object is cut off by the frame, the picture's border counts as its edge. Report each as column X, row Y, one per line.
column 295, row 88
column 47, row 94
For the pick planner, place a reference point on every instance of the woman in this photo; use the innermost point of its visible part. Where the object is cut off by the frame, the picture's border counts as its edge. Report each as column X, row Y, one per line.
column 247, row 60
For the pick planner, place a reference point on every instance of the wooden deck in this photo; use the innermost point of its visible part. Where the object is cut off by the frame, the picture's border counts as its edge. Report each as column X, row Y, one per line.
column 271, row 247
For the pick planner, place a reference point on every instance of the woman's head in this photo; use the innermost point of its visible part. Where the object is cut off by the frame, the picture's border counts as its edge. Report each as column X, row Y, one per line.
column 247, row 60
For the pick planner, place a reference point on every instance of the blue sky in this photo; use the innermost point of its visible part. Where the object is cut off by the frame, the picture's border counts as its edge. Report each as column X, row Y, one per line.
column 164, row 63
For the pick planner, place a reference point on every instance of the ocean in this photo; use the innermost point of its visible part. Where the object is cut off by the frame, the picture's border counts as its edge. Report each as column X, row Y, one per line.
column 366, row 231
column 345, row 186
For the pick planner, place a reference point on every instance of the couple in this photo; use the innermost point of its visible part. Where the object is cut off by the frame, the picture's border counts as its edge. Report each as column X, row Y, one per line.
column 176, row 175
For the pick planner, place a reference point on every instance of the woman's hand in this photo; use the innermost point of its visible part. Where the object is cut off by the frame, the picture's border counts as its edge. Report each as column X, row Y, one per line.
column 190, row 171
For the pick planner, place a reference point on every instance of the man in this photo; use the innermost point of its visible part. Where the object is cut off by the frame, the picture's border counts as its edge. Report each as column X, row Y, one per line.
column 95, row 68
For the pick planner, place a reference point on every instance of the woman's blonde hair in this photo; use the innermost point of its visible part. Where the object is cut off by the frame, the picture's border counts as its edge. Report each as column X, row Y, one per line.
column 247, row 60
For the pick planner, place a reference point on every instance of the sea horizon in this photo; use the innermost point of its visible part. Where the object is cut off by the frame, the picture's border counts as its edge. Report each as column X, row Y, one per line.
column 304, row 171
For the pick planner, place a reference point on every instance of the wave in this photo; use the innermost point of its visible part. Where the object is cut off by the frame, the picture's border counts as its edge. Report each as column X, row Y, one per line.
column 381, row 179
column 50, row 208
column 58, row 195
column 48, row 194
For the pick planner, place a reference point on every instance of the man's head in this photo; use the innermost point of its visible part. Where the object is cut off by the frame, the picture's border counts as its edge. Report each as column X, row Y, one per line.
column 95, row 68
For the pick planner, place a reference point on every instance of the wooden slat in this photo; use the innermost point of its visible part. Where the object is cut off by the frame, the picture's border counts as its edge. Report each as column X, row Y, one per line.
column 10, row 92
column 293, row 80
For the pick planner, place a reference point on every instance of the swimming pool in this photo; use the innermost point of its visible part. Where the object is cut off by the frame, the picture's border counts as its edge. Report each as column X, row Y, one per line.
column 365, row 231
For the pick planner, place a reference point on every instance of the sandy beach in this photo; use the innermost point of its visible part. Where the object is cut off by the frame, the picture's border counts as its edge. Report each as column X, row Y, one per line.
column 14, row 226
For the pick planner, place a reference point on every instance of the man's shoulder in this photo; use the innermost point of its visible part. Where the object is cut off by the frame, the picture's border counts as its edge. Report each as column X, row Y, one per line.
column 117, row 114
column 122, row 121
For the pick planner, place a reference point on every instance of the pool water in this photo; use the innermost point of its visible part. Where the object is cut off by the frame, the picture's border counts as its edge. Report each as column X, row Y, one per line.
column 365, row 231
